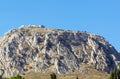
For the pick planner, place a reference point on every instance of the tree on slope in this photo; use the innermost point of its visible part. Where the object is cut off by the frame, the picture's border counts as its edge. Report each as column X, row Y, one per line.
column 115, row 74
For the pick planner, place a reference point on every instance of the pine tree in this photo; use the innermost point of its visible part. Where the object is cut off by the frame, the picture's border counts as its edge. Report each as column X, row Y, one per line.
column 115, row 74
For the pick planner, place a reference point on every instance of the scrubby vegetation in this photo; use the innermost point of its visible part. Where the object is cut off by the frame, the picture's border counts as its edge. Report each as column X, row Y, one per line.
column 53, row 76
column 115, row 74
column 77, row 77
column 16, row 77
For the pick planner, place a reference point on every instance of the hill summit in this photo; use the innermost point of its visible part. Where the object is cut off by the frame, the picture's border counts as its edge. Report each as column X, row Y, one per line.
column 40, row 49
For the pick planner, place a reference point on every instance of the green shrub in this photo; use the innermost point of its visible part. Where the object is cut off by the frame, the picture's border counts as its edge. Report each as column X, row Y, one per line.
column 115, row 74
column 53, row 76
column 15, row 77
column 77, row 77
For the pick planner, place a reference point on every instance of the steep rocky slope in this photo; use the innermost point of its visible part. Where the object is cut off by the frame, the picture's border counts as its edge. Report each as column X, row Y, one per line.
column 53, row 50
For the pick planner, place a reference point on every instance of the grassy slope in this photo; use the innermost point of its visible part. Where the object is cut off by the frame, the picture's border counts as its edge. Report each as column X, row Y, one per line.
column 91, row 74
column 67, row 76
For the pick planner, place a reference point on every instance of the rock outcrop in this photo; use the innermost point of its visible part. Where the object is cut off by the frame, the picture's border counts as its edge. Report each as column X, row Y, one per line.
column 53, row 50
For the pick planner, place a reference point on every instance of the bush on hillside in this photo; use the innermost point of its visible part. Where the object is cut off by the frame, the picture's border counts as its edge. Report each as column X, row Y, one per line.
column 115, row 74
column 15, row 77
column 53, row 76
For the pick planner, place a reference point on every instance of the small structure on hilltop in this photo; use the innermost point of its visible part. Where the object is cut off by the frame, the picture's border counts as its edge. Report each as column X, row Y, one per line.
column 41, row 26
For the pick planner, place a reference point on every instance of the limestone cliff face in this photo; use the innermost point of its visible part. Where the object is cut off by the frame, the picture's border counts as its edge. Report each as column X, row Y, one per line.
column 53, row 50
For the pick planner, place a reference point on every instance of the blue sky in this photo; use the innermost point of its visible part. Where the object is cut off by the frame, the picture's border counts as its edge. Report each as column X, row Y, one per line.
column 96, row 16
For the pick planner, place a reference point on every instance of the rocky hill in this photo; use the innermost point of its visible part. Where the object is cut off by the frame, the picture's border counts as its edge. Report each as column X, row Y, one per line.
column 39, row 49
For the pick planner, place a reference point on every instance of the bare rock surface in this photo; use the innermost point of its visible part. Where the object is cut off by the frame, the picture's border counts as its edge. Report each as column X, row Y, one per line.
column 40, row 49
